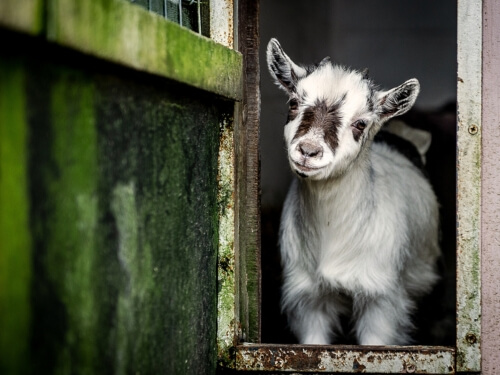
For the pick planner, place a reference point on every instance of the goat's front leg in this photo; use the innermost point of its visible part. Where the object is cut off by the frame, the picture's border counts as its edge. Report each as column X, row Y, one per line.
column 311, row 325
column 383, row 320
column 315, row 320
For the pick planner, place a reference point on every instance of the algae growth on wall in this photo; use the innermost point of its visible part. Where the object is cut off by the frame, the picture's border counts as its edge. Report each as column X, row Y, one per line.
column 111, row 266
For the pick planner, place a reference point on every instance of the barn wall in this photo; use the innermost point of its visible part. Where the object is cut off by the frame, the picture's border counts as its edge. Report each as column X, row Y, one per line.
column 109, row 201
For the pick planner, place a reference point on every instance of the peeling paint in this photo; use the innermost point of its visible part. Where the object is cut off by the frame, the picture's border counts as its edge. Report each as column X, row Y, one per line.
column 221, row 22
column 342, row 359
column 469, row 186
column 226, row 302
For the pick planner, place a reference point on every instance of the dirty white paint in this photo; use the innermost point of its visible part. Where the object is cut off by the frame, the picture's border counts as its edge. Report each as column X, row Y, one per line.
column 490, row 217
column 469, row 185
column 221, row 22
column 228, row 327
column 332, row 359
column 226, row 277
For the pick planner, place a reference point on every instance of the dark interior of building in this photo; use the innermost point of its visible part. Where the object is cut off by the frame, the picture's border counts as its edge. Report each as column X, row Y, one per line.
column 396, row 41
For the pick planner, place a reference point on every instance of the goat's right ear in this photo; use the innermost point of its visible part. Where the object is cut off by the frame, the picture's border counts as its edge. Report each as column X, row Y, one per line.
column 398, row 100
column 284, row 71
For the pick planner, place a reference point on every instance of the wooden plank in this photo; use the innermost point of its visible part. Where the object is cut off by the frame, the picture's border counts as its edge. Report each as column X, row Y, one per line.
column 235, row 233
column 345, row 359
column 239, row 301
column 127, row 34
column 248, row 165
column 490, row 219
column 469, row 186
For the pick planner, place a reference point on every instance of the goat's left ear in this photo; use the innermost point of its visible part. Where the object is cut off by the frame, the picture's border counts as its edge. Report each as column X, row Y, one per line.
column 284, row 71
column 398, row 100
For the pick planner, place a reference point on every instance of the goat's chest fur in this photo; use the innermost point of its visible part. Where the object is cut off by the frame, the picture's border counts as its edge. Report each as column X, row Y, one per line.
column 359, row 233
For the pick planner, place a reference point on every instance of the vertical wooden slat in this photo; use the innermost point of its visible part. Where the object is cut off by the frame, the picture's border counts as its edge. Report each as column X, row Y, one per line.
column 469, row 186
column 490, row 219
column 248, row 165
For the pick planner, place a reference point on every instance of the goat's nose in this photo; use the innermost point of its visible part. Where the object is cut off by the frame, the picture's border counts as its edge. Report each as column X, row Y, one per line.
column 310, row 150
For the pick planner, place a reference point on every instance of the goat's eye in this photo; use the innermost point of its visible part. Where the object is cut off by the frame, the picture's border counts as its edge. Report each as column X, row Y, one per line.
column 360, row 125
column 357, row 129
column 294, row 104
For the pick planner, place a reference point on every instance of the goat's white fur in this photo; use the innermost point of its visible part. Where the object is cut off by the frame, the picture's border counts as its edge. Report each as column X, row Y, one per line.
column 359, row 229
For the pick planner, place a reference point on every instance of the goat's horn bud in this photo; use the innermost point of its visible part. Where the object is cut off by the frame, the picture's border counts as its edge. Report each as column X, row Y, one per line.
column 326, row 60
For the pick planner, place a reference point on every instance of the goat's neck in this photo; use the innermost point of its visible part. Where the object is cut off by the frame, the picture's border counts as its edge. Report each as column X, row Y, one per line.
column 340, row 192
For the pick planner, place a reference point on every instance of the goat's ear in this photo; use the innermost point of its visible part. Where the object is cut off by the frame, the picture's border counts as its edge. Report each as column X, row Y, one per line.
column 284, row 71
column 398, row 100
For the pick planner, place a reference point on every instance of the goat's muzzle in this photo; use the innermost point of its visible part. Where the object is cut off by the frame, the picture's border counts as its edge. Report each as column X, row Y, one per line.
column 310, row 150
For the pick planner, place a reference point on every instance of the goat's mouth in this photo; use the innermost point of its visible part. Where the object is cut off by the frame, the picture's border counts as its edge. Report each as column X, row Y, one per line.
column 305, row 170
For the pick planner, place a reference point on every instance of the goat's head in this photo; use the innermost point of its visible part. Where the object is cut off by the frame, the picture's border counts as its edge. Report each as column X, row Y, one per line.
column 334, row 112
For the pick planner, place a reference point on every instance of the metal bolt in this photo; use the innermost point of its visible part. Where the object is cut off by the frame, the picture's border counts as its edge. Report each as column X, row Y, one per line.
column 411, row 368
column 473, row 129
column 279, row 362
column 471, row 338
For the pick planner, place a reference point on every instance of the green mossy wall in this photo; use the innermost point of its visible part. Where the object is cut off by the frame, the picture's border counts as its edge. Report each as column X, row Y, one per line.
column 109, row 217
column 15, row 239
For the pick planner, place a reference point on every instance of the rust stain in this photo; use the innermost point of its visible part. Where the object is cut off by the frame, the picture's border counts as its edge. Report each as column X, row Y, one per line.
column 347, row 359
column 358, row 367
column 471, row 338
column 277, row 358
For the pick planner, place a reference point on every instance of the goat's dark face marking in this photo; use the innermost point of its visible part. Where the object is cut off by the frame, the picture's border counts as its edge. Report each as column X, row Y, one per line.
column 293, row 110
column 323, row 117
column 328, row 121
column 334, row 112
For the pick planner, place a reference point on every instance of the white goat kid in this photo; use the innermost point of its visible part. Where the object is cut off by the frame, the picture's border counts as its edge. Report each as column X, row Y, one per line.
column 359, row 228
